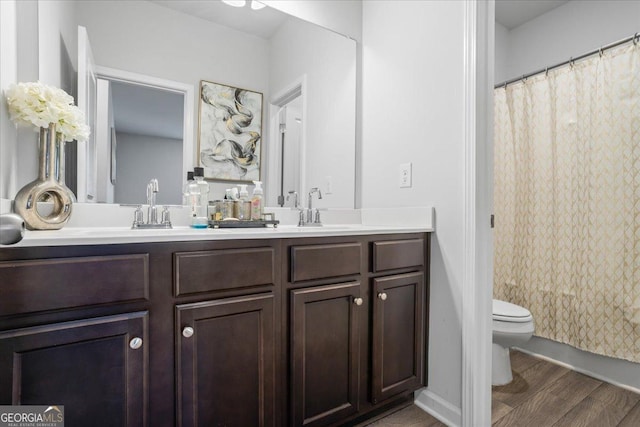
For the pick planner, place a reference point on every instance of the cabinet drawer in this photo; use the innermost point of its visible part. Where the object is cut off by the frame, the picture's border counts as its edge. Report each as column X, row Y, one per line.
column 215, row 270
column 322, row 261
column 51, row 284
column 395, row 254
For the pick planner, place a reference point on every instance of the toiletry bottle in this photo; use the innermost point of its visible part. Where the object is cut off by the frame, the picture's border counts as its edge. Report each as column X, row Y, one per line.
column 227, row 205
column 201, row 220
column 244, row 204
column 256, row 202
column 244, row 194
column 185, row 189
column 192, row 197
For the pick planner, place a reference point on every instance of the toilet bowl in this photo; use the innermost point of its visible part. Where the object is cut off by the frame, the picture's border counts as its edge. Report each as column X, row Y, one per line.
column 512, row 326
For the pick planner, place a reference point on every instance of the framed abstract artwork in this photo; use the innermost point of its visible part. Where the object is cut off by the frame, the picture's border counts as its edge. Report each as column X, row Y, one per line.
column 229, row 132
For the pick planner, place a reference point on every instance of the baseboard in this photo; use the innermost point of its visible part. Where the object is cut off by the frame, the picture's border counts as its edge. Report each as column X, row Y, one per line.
column 439, row 408
column 581, row 370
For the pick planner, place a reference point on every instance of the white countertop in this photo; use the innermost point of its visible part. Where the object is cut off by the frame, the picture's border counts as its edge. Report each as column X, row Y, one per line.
column 118, row 235
column 114, row 226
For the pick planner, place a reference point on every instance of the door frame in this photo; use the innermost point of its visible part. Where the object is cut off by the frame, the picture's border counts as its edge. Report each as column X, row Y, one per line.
column 477, row 278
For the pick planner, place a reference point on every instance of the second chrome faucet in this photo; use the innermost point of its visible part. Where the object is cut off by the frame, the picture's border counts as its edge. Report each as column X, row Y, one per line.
column 311, row 217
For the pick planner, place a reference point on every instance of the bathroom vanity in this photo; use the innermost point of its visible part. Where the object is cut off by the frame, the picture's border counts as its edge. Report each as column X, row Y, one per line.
column 274, row 328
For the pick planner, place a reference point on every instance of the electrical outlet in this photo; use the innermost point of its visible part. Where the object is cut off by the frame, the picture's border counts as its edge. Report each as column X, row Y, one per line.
column 405, row 175
column 328, row 185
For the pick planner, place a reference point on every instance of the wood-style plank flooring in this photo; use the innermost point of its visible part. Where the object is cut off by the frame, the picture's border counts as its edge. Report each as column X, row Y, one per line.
column 410, row 416
column 543, row 395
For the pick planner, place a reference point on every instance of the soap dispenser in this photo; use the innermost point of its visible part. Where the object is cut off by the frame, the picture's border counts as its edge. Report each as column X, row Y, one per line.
column 256, row 202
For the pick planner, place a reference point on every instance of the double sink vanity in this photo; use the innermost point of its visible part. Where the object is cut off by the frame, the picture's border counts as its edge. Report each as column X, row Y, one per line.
column 272, row 327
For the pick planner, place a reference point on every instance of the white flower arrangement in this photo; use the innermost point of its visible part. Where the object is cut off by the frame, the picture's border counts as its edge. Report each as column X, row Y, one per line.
column 36, row 104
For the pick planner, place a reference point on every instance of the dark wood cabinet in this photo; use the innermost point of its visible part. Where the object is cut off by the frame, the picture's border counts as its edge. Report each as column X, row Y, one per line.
column 357, row 323
column 96, row 368
column 225, row 362
column 264, row 332
column 398, row 335
column 325, row 356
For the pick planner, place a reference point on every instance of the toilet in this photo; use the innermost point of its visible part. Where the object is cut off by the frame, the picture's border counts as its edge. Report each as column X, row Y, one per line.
column 512, row 326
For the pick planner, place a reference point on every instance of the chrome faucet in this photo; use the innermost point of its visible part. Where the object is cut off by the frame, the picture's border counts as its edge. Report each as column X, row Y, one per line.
column 152, row 211
column 311, row 220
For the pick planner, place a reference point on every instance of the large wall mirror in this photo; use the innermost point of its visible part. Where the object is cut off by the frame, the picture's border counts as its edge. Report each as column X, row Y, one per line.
column 306, row 73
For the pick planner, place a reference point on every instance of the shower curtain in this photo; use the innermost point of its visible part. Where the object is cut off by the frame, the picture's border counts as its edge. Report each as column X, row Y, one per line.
column 567, row 201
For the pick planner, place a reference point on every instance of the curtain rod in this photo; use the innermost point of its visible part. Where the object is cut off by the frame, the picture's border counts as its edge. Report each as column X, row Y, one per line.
column 635, row 38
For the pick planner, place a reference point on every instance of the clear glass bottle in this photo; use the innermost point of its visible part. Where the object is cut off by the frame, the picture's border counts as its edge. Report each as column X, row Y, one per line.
column 201, row 220
column 185, row 189
column 191, row 194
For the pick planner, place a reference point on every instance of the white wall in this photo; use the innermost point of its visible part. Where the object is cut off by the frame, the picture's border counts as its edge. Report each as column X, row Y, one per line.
column 330, row 118
column 342, row 16
column 413, row 64
column 570, row 30
column 8, row 75
column 501, row 52
column 58, row 44
column 19, row 63
column 142, row 157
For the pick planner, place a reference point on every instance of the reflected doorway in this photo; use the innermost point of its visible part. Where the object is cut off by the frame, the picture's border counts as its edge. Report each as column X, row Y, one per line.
column 143, row 131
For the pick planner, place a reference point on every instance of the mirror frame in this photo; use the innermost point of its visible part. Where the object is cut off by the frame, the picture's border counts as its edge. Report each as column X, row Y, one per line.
column 188, row 147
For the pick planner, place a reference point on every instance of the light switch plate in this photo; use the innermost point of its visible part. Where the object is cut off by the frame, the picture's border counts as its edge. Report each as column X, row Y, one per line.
column 328, row 185
column 405, row 175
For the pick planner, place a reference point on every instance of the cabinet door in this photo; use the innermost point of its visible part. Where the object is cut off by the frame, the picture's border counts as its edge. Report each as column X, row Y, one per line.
column 226, row 373
column 398, row 335
column 96, row 368
column 325, row 358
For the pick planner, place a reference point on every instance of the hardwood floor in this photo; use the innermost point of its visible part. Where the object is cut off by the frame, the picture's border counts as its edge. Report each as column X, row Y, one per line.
column 409, row 416
column 543, row 395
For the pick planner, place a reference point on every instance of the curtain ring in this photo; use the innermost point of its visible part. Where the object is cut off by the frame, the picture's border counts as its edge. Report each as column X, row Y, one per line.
column 546, row 72
column 524, row 78
column 636, row 38
column 600, row 52
column 505, row 86
column 571, row 62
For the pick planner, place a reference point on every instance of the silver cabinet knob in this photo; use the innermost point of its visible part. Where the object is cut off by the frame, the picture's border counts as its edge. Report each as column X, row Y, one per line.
column 187, row 332
column 135, row 343
column 382, row 296
column 357, row 301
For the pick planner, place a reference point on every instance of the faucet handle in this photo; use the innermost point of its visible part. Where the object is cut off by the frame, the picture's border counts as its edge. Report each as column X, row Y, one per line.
column 166, row 215
column 138, row 216
column 317, row 217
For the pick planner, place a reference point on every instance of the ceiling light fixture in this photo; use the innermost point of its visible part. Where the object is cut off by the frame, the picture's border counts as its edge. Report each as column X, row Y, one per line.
column 235, row 3
column 256, row 5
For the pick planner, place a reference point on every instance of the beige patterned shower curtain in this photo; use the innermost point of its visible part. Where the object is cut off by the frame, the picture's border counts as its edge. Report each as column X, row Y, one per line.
column 567, row 201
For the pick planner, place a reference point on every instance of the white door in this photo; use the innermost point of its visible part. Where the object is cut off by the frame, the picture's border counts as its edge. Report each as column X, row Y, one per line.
column 87, row 153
